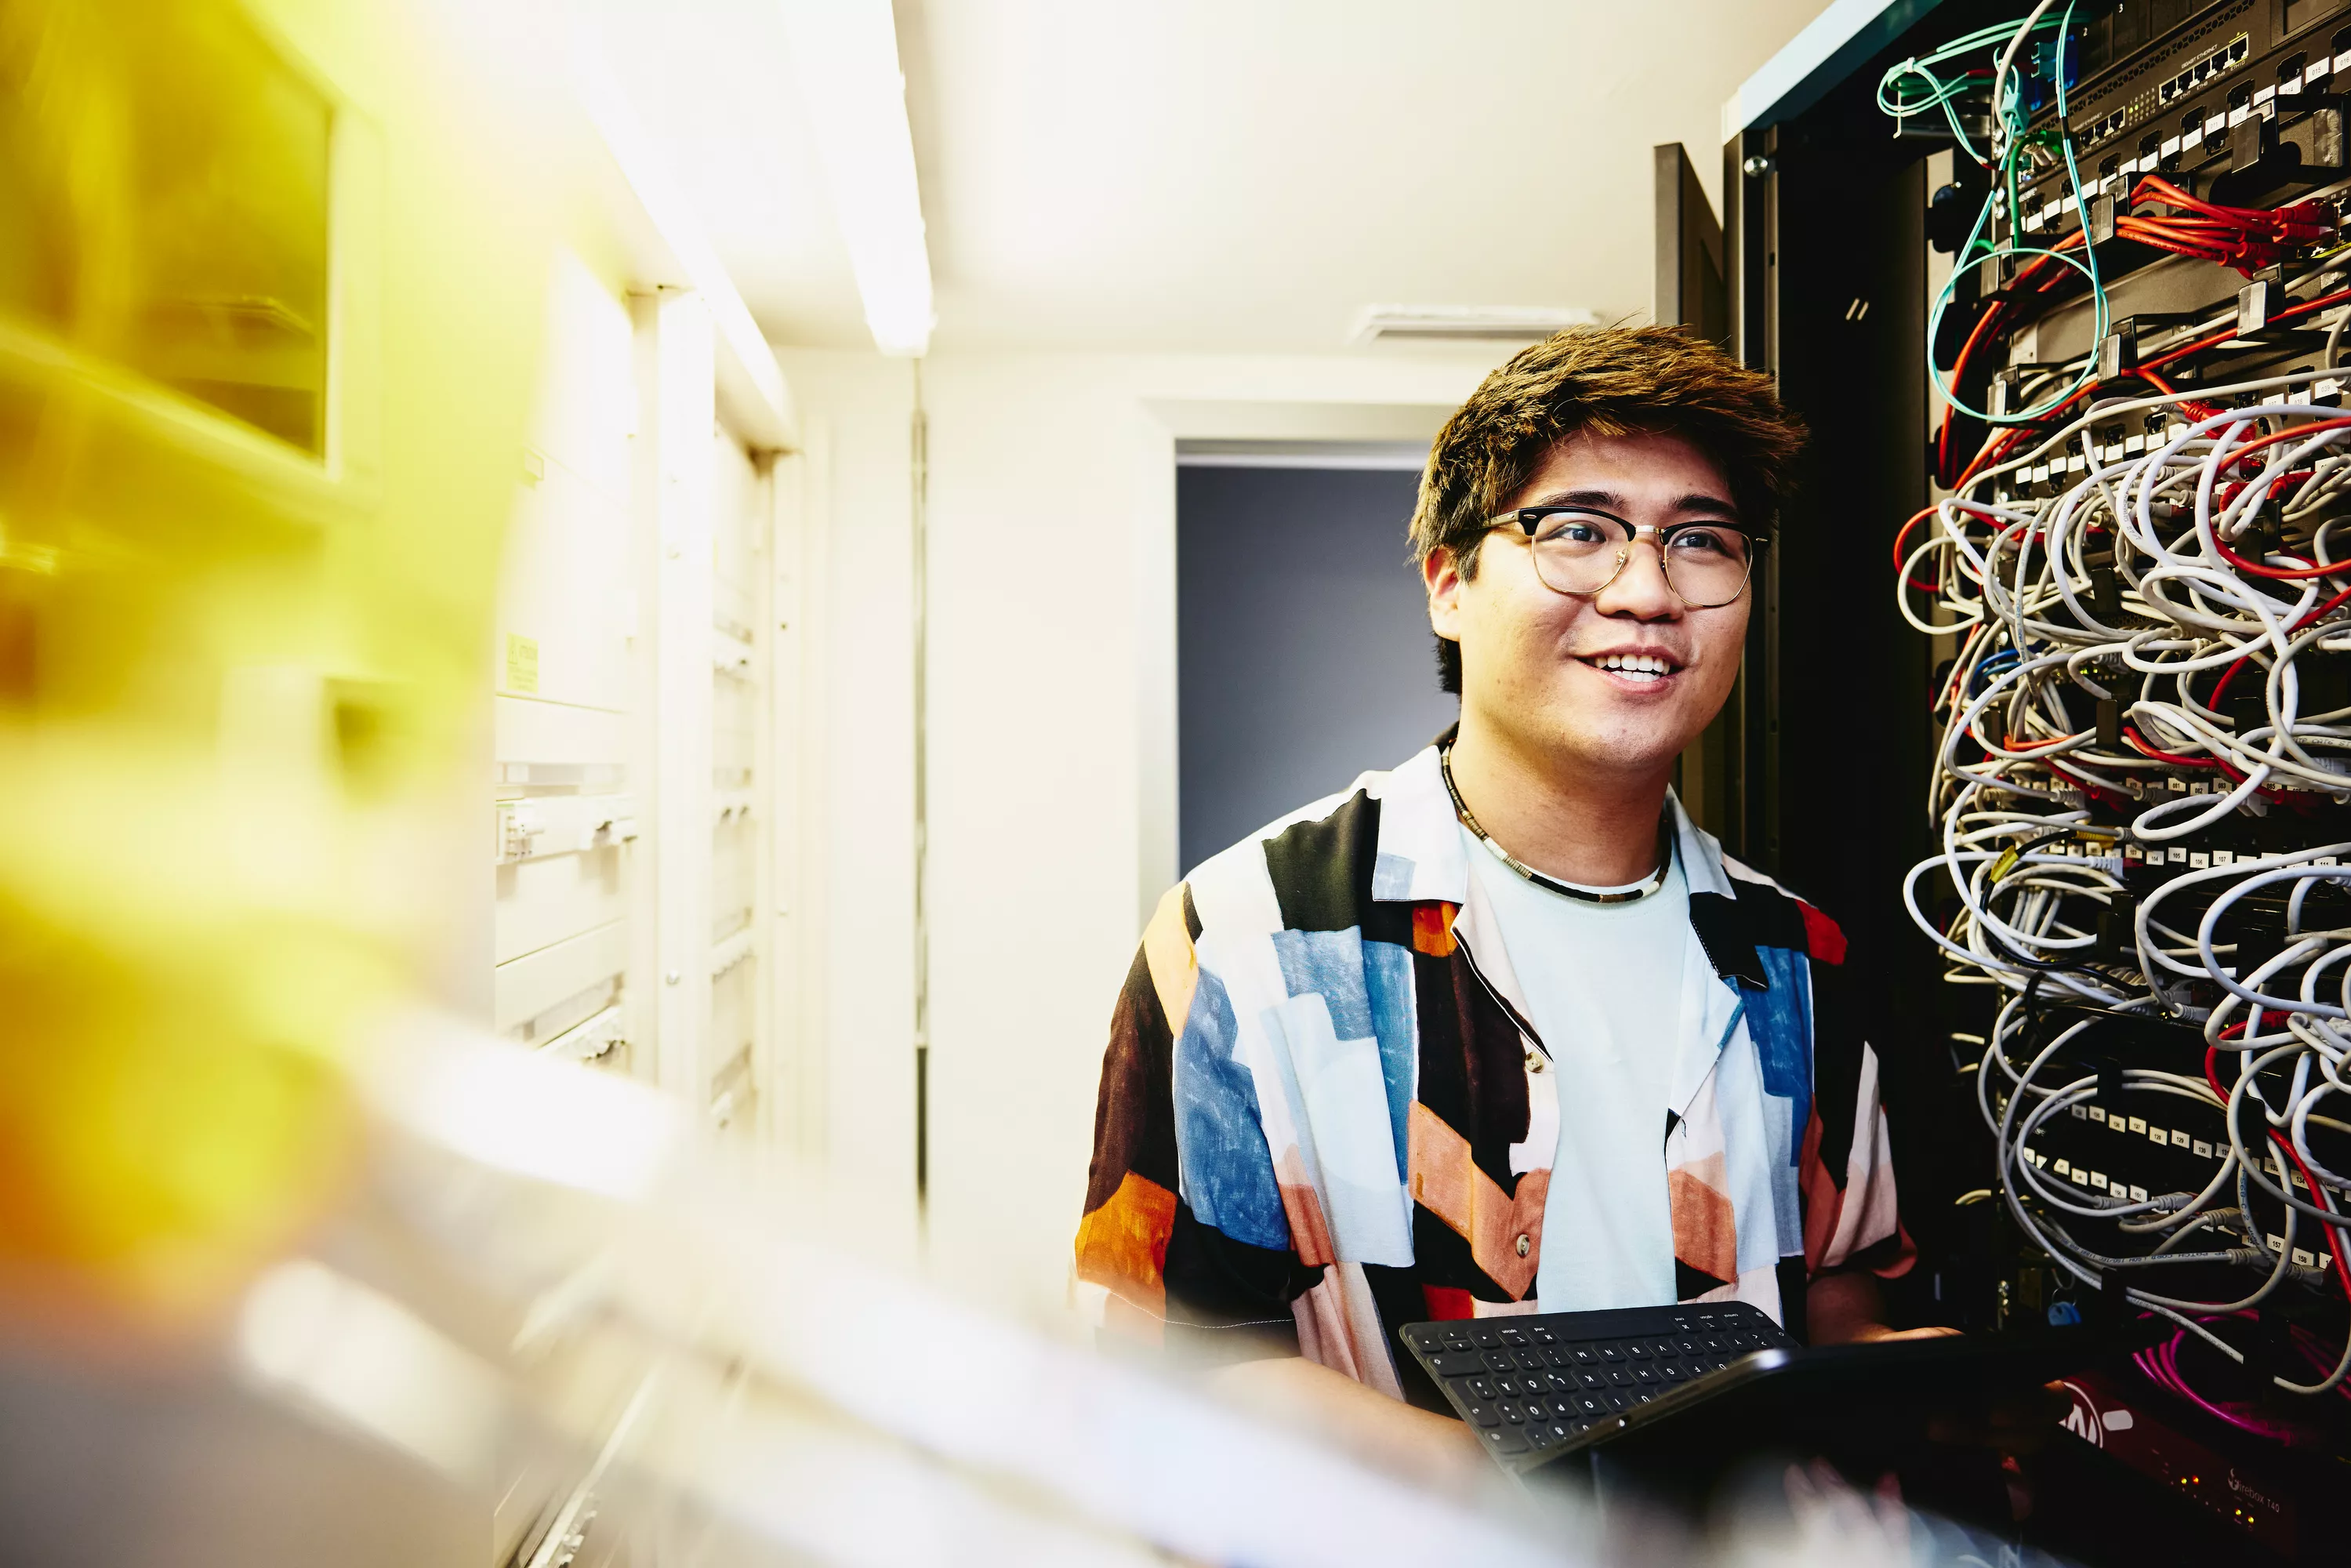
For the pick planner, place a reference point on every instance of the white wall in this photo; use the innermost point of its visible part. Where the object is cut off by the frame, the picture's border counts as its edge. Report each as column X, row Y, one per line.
column 850, row 885
column 1052, row 743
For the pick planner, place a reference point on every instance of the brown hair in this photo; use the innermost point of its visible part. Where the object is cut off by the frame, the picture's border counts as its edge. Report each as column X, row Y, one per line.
column 1609, row 381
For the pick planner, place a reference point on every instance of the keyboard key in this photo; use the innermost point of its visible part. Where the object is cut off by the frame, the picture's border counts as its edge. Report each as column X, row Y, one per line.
column 1638, row 1351
column 1483, row 1388
column 1514, row 1337
column 1622, row 1379
column 1583, row 1356
column 1502, row 1361
column 1609, row 1353
column 1687, row 1344
column 1456, row 1363
column 1544, row 1336
column 1558, row 1356
column 1508, row 1387
column 1488, row 1338
column 1485, row 1415
column 1645, row 1374
column 1590, row 1404
column 1591, row 1380
column 1620, row 1402
column 1540, row 1437
column 1674, row 1373
column 1507, row 1440
column 1511, row 1413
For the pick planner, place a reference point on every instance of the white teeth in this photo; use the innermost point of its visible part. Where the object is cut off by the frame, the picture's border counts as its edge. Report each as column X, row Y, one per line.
column 1646, row 666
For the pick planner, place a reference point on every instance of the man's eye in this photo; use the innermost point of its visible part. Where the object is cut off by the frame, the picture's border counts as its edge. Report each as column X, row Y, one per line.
column 1574, row 531
column 1706, row 541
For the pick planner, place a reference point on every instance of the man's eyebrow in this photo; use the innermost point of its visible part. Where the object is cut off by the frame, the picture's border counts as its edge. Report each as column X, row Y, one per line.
column 1696, row 501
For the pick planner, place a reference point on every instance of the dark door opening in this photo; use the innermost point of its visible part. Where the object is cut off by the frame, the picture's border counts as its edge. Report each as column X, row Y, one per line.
column 1303, row 652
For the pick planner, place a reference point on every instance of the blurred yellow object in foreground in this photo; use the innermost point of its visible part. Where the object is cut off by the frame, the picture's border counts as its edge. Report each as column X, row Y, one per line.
column 269, row 300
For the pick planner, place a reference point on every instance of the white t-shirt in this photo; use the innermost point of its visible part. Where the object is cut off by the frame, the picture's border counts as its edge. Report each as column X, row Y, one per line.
column 1603, row 983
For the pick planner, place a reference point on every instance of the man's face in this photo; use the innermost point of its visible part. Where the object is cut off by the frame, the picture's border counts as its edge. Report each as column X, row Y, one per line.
column 1532, row 658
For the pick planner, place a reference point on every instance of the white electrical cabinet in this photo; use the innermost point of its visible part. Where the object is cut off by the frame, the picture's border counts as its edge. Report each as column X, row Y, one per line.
column 741, row 520
column 631, row 814
column 632, row 820
column 564, row 833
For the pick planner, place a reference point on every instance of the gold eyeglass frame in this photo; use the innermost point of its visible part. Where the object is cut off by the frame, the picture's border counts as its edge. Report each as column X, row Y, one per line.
column 1528, row 518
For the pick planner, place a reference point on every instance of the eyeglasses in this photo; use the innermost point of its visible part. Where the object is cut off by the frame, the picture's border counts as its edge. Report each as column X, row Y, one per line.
column 1580, row 551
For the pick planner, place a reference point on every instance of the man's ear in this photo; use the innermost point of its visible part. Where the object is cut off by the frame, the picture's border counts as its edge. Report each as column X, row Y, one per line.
column 1440, row 574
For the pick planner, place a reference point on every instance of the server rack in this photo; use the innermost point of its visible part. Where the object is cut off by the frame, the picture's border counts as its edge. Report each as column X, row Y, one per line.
column 1837, row 242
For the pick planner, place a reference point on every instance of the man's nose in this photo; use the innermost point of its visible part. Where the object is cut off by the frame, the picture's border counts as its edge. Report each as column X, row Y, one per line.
column 1640, row 589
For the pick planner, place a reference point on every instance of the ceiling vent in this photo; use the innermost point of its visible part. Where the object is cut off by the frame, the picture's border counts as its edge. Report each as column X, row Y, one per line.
column 1465, row 323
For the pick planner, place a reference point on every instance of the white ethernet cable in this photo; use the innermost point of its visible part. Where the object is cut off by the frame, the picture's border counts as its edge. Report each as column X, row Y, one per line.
column 2174, row 519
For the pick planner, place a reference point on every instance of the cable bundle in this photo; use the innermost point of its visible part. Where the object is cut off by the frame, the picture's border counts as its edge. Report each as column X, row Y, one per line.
column 2246, row 238
column 2162, row 1364
column 2143, row 788
column 2087, row 751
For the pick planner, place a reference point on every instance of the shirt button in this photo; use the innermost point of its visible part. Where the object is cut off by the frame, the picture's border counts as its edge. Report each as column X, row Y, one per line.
column 1525, row 1246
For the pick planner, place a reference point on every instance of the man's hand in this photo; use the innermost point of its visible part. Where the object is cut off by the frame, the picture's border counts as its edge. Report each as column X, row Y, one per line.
column 1876, row 1333
column 1846, row 1309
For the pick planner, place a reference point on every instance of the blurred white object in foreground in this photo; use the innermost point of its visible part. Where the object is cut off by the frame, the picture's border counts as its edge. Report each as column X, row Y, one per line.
column 576, row 1281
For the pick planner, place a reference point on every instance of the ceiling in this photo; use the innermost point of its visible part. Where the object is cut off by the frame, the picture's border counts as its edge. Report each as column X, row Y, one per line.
column 1212, row 176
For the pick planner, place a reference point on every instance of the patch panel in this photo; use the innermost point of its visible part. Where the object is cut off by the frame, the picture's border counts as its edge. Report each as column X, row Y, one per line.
column 2227, row 58
column 2105, row 129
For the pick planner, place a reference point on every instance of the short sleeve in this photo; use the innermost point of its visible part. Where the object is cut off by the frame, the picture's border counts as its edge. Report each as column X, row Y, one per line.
column 1172, row 1279
column 1852, row 1217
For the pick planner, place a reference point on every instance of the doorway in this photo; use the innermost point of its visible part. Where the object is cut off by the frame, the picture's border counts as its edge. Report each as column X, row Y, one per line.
column 1303, row 653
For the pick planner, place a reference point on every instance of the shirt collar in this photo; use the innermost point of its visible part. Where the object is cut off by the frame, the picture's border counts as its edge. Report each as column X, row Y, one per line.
column 1421, row 857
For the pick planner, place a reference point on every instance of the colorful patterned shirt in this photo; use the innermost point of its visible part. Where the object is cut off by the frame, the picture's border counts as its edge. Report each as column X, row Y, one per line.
column 1323, row 1113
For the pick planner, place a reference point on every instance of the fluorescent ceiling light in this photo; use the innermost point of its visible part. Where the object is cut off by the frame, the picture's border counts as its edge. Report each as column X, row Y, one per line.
column 845, row 57
column 1465, row 323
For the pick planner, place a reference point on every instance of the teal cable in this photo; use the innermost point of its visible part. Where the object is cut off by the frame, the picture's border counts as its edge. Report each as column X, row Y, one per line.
column 2005, row 111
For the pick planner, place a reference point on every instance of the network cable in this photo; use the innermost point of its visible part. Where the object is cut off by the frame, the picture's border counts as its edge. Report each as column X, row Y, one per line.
column 2141, row 794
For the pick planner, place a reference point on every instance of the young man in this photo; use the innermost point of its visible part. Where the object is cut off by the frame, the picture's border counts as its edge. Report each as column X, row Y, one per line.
column 1501, row 1030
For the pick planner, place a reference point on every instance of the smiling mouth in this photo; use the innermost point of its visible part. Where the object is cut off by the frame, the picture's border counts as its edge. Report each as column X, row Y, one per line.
column 1635, row 666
